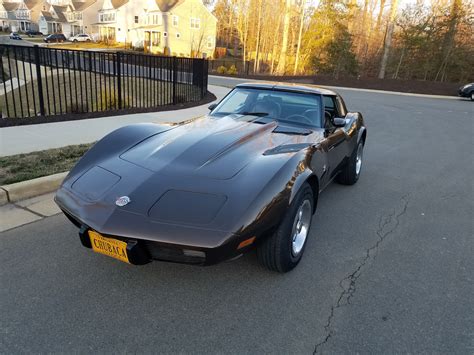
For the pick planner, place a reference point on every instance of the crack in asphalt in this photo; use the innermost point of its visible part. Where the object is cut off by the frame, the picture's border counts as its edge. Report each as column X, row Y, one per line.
column 348, row 284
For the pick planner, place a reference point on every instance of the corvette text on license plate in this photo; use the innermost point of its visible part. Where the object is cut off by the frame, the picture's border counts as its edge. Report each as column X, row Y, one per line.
column 108, row 246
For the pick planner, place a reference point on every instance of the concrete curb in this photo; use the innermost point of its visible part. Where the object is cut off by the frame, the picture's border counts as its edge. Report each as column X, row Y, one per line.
column 30, row 188
column 3, row 197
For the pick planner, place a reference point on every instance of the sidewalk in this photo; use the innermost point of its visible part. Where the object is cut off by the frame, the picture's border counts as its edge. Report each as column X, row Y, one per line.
column 30, row 138
column 27, row 211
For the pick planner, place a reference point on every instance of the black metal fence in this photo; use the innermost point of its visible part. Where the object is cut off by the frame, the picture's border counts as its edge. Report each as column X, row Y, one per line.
column 40, row 81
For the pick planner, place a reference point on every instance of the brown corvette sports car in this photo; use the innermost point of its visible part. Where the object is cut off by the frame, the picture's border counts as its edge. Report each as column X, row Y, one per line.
column 247, row 175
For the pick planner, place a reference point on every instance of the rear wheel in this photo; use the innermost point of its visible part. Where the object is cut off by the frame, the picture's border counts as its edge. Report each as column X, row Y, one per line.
column 472, row 96
column 283, row 250
column 351, row 172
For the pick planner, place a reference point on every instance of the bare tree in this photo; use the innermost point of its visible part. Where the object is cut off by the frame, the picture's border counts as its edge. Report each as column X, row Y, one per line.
column 284, row 45
column 298, row 48
column 388, row 38
column 448, row 42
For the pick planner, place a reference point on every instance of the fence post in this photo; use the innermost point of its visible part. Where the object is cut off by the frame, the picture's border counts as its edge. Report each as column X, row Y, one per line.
column 175, row 79
column 204, row 70
column 119, row 81
column 38, row 79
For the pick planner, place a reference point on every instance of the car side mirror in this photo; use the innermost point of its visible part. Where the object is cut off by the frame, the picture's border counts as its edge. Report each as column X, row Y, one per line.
column 339, row 122
column 212, row 107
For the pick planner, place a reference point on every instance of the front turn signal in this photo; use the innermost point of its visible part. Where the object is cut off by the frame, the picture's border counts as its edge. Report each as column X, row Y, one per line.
column 246, row 242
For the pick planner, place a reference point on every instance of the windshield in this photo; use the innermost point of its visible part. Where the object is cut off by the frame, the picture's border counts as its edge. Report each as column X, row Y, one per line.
column 289, row 107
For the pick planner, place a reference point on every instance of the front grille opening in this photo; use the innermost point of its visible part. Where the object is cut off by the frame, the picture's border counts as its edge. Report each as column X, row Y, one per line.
column 188, row 256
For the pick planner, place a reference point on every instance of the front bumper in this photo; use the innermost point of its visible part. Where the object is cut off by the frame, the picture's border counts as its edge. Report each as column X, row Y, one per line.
column 464, row 93
column 141, row 251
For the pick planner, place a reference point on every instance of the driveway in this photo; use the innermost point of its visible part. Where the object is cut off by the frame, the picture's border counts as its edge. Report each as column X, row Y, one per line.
column 387, row 269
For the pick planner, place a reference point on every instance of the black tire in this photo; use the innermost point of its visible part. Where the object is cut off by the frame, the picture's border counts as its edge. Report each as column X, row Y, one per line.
column 276, row 252
column 472, row 95
column 351, row 172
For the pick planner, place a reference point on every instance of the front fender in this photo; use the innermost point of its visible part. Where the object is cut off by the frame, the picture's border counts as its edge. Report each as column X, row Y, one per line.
column 361, row 129
column 271, row 203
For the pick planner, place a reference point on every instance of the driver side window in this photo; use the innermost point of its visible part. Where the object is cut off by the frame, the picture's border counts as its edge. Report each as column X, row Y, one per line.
column 331, row 107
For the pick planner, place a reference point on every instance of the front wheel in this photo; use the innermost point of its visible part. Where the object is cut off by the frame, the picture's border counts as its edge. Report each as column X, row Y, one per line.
column 472, row 96
column 283, row 250
column 351, row 172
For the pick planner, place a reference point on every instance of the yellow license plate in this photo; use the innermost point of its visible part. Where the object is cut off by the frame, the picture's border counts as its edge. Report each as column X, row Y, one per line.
column 108, row 246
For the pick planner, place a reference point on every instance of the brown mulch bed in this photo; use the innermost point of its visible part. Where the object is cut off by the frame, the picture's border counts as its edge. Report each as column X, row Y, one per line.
column 408, row 86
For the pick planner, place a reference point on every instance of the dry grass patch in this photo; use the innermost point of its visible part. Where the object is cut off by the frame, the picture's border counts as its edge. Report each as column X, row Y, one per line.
column 29, row 166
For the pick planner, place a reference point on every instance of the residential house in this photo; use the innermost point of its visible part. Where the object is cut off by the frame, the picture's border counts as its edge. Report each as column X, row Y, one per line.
column 176, row 27
column 88, row 10
column 4, row 22
column 68, row 17
column 53, row 18
column 20, row 15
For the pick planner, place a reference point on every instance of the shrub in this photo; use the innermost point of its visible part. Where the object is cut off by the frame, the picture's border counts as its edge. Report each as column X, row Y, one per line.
column 75, row 107
column 232, row 70
column 108, row 100
column 222, row 70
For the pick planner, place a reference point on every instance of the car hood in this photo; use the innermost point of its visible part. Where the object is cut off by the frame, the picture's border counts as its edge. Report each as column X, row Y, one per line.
column 203, row 175
column 208, row 147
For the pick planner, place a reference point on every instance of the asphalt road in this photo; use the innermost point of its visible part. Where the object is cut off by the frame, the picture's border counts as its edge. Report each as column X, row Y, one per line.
column 388, row 266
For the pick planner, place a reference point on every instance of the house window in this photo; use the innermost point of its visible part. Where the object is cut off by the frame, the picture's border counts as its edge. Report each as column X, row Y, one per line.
column 210, row 42
column 155, row 39
column 195, row 23
column 154, row 19
column 165, row 34
column 22, row 13
column 107, row 17
column 178, row 35
column 175, row 21
column 136, row 19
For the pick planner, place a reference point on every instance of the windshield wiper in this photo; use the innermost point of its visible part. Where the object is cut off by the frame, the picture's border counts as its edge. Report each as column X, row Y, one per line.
column 260, row 114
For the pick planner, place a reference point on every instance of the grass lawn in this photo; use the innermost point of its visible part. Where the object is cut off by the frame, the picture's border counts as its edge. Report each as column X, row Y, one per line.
column 23, row 167
column 86, row 45
column 74, row 45
column 33, row 39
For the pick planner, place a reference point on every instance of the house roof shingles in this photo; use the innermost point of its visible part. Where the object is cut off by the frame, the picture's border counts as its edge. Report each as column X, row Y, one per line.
column 47, row 16
column 60, row 10
column 163, row 5
column 31, row 3
column 118, row 3
column 82, row 5
column 167, row 5
column 11, row 6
